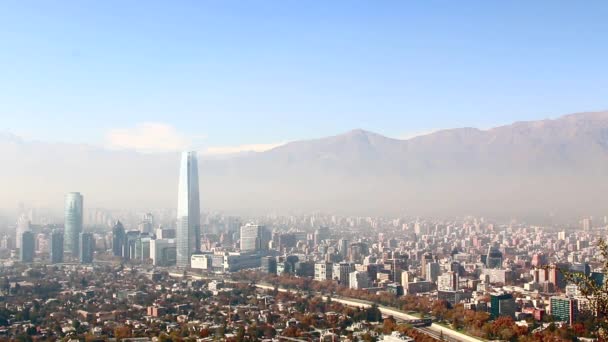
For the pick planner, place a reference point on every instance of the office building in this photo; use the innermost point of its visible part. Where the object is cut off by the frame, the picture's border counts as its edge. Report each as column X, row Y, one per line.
column 494, row 258
column 323, row 271
column 269, row 265
column 147, row 224
column 254, row 238
column 448, row 281
column 28, row 245
column 73, row 223
column 358, row 280
column 165, row 233
column 142, row 247
column 128, row 251
column 564, row 309
column 343, row 247
column 502, row 305
column 23, row 225
column 321, row 234
column 86, row 248
column 56, row 250
column 163, row 252
column 341, row 272
column 432, row 271
column 188, row 233
column 426, row 259
column 118, row 239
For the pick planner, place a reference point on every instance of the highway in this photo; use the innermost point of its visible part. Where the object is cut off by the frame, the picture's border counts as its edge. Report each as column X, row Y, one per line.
column 435, row 330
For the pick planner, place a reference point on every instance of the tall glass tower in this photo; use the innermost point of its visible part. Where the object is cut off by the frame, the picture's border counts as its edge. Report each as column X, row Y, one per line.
column 188, row 233
column 73, row 223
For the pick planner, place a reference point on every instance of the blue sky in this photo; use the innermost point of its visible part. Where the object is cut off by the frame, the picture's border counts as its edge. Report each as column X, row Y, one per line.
column 231, row 73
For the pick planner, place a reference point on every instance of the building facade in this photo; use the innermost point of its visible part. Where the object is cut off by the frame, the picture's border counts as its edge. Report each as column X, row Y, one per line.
column 56, row 250
column 73, row 222
column 86, row 248
column 188, row 233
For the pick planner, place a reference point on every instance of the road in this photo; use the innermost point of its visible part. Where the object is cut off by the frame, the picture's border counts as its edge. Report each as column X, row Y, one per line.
column 434, row 330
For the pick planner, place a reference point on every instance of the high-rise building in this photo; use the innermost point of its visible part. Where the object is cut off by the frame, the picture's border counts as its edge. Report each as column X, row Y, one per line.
column 432, row 271
column 426, row 259
column 343, row 247
column 587, row 224
column 23, row 225
column 342, row 271
column 86, row 248
column 128, row 251
column 321, row 234
column 564, row 309
column 142, row 247
column 188, row 233
column 163, row 252
column 502, row 305
column 165, row 233
column 494, row 258
column 73, row 222
column 448, row 281
column 56, row 250
column 118, row 239
column 28, row 245
column 269, row 265
column 147, row 224
column 358, row 280
column 254, row 238
column 323, row 271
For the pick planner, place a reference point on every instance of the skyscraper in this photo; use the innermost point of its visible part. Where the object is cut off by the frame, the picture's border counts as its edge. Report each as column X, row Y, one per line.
column 494, row 258
column 56, row 250
column 73, row 222
column 118, row 239
column 23, row 225
column 188, row 233
column 26, row 250
column 86, row 248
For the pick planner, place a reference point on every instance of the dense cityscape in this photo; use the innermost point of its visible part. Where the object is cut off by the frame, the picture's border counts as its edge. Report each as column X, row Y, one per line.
column 178, row 275
column 303, row 171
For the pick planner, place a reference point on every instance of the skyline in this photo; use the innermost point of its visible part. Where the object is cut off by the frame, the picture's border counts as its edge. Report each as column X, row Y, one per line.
column 201, row 74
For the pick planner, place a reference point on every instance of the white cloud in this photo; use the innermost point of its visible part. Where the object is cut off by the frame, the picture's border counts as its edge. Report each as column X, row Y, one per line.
column 220, row 150
column 148, row 137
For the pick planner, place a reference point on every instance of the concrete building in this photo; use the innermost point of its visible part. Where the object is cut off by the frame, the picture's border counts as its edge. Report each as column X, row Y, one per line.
column 359, row 280
column 163, row 252
column 502, row 305
column 341, row 272
column 28, row 246
column 118, row 239
column 254, row 238
column 564, row 309
column 56, row 250
column 323, row 271
column 86, row 247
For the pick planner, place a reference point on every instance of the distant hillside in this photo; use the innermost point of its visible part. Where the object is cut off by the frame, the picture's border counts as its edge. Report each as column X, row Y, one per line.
column 528, row 168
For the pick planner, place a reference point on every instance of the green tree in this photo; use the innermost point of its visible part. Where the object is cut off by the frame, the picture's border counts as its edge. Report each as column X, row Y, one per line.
column 597, row 294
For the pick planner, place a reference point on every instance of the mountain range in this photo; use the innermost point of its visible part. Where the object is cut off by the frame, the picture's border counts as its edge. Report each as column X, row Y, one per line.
column 556, row 167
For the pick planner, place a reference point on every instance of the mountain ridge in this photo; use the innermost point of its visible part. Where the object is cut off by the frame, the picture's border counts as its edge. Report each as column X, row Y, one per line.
column 541, row 166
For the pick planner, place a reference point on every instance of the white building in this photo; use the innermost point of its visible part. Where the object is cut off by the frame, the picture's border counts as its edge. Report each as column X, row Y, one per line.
column 359, row 280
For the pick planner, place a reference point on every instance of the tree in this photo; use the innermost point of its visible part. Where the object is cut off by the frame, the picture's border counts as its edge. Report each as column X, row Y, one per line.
column 597, row 294
column 389, row 325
